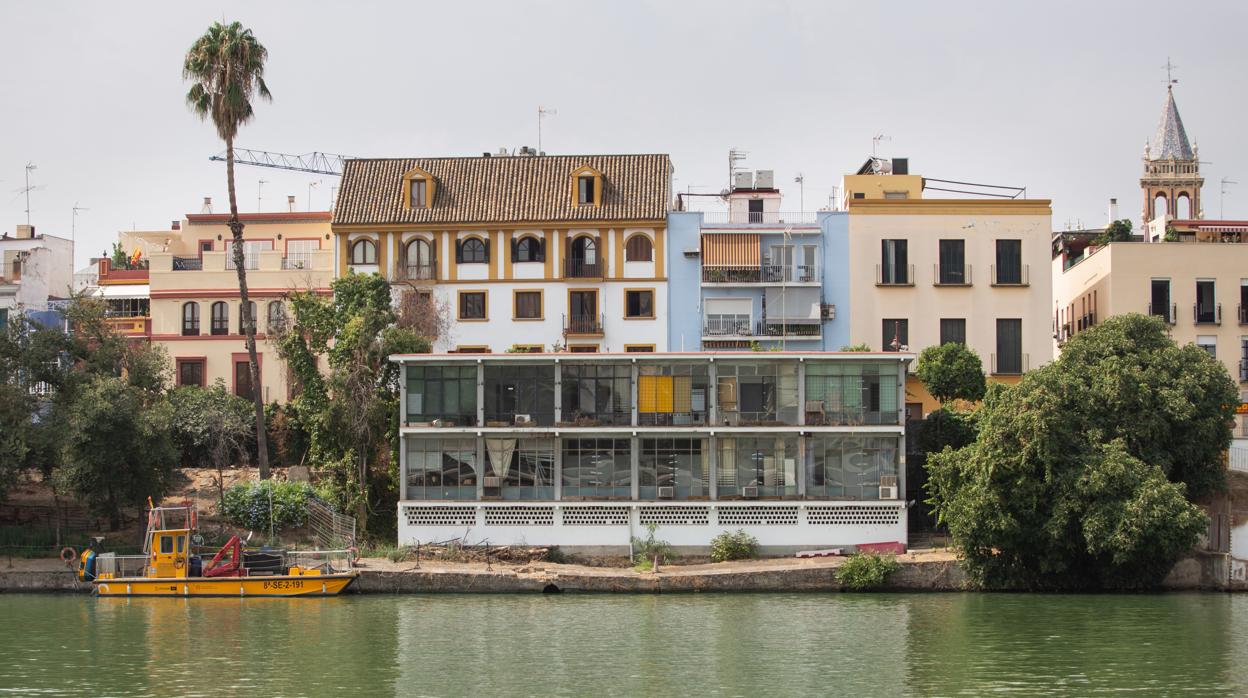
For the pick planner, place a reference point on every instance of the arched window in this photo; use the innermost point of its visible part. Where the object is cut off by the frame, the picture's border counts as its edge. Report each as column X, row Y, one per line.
column 585, row 250
column 473, row 251
column 251, row 305
column 1160, row 206
column 1183, row 206
column 529, row 249
column 277, row 317
column 420, row 264
column 638, row 249
column 190, row 319
column 364, row 252
column 220, row 318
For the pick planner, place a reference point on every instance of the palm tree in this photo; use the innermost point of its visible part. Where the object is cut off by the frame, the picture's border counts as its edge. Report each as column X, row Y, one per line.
column 226, row 68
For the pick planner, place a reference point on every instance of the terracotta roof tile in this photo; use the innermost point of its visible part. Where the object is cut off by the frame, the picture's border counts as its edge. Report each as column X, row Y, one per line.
column 505, row 189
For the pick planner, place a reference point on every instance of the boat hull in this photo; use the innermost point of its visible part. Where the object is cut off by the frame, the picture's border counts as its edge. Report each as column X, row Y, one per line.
column 278, row 586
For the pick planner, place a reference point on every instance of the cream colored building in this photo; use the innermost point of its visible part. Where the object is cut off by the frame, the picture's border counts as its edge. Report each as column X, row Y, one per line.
column 195, row 306
column 928, row 271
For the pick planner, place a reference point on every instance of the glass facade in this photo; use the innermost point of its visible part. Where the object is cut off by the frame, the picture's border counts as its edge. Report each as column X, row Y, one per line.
column 767, row 463
column 757, row 393
column 441, row 468
column 848, row 466
column 519, row 395
column 851, row 394
column 525, row 468
column 673, row 394
column 445, row 393
column 597, row 469
column 683, row 465
column 597, row 394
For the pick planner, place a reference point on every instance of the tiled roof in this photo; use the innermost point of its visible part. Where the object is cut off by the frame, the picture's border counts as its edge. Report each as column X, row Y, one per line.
column 1170, row 141
column 504, row 189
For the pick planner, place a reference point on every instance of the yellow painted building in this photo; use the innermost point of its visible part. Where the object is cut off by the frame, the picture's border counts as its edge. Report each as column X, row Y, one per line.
column 194, row 296
column 530, row 250
column 926, row 271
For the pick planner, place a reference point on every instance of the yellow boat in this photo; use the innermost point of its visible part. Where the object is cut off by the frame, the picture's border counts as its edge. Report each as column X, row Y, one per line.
column 169, row 566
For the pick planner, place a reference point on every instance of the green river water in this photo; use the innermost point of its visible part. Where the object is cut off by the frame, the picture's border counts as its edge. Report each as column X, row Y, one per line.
column 673, row 645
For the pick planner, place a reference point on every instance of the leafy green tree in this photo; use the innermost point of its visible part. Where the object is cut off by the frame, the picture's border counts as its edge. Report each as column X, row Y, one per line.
column 116, row 449
column 1080, row 474
column 226, row 69
column 1117, row 231
column 211, row 428
column 951, row 371
column 15, row 412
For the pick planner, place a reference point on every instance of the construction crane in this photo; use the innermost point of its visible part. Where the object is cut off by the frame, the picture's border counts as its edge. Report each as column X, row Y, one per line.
column 314, row 162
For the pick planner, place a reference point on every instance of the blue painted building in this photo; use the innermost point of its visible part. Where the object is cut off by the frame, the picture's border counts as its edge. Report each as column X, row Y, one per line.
column 758, row 276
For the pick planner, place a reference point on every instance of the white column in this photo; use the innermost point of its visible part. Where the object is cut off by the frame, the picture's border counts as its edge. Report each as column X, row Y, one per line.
column 558, row 393
column 480, row 393
column 801, row 393
column 712, row 399
column 632, row 390
column 558, row 468
column 713, row 444
column 634, row 464
column 481, row 468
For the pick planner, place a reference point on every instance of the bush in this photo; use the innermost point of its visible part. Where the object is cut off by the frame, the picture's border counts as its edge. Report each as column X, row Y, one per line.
column 864, row 571
column 247, row 504
column 734, row 546
column 650, row 547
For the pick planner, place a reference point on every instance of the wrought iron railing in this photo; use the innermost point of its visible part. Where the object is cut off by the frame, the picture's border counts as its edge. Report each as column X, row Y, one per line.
column 188, row 264
column 582, row 324
column 951, row 274
column 1207, row 314
column 580, row 269
column 1168, row 312
column 894, row 275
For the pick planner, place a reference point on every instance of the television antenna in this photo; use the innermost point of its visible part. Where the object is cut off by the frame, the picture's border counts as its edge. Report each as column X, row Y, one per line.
column 1222, row 198
column 735, row 155
column 875, row 142
column 27, row 189
column 260, row 193
column 542, row 112
column 311, row 186
column 800, row 179
column 73, row 224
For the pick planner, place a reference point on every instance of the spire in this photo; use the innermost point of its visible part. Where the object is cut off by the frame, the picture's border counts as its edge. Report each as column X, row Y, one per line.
column 1170, row 141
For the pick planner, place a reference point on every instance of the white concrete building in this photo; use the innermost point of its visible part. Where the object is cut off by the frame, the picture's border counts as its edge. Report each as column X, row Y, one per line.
column 34, row 269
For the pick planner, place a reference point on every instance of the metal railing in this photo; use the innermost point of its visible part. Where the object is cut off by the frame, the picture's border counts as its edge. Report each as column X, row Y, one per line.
column 297, row 261
column 418, row 272
column 1207, row 315
column 1022, row 278
column 772, row 328
column 893, row 278
column 760, row 217
column 1011, row 367
column 328, row 527
column 767, row 273
column 1169, row 313
column 727, row 326
column 188, row 264
column 951, row 274
column 251, row 262
column 113, row 566
column 582, row 324
column 580, row 269
column 1237, row 458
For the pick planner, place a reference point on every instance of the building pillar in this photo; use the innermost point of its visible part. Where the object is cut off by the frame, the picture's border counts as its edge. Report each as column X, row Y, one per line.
column 712, row 398
column 634, row 372
column 480, row 393
column 713, row 444
column 558, row 468
column 634, row 463
column 800, row 470
column 901, row 440
column 402, row 436
column 482, row 469
column 801, row 393
column 558, row 393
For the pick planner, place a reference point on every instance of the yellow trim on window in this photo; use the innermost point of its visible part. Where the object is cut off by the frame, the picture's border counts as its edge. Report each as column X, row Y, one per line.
column 653, row 296
column 430, row 185
column 628, row 238
column 541, row 304
column 639, row 348
column 586, row 171
column 472, row 348
column 459, row 306
column 583, row 348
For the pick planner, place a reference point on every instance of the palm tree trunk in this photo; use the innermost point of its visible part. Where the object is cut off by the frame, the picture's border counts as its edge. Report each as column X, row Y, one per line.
column 249, row 323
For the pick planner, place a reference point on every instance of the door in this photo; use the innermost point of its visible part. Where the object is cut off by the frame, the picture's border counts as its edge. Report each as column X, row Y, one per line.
column 781, row 263
column 583, row 312
column 205, row 246
column 1159, row 302
column 756, row 210
column 299, row 253
column 242, row 379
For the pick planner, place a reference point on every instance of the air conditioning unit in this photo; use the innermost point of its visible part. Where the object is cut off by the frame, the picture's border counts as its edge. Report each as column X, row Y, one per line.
column 524, row 419
column 667, row 493
column 491, row 482
column 749, row 492
column 827, row 311
column 888, row 487
column 743, row 180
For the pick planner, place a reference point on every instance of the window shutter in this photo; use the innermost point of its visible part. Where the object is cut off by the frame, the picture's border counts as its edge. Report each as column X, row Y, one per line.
column 541, row 249
column 459, row 252
column 487, row 250
column 515, row 245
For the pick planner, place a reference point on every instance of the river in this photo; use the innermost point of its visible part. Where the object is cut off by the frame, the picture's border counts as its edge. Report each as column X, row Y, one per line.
column 672, row 645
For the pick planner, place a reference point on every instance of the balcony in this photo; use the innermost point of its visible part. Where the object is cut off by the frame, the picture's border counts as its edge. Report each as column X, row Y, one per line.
column 1015, row 365
column 583, row 325
column 1010, row 276
column 188, row 264
column 297, row 261
column 765, row 274
column 1169, row 313
column 951, row 275
column 1207, row 314
column 744, row 326
column 892, row 275
column 417, row 272
column 580, row 269
column 759, row 217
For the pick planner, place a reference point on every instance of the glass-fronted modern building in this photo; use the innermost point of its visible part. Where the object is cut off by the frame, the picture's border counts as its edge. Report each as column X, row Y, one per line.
column 800, row 449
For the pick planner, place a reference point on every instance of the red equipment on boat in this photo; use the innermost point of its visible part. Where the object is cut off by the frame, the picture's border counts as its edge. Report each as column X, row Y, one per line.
column 233, row 568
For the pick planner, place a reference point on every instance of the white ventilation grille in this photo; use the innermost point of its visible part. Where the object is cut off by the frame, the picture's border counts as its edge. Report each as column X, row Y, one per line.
column 595, row 516
column 440, row 516
column 758, row 516
column 853, row 516
column 676, row 516
column 520, row 516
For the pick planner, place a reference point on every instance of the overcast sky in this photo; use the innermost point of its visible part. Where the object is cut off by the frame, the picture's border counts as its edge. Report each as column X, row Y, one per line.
column 1058, row 97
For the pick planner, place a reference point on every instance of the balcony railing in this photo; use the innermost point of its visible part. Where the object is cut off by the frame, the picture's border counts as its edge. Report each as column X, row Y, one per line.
column 188, row 264
column 1169, row 313
column 1010, row 276
column 744, row 326
column 251, row 262
column 583, row 325
column 580, row 269
column 772, row 328
column 1206, row 314
column 727, row 326
column 418, row 272
column 297, row 261
column 765, row 274
column 891, row 275
column 784, row 273
column 951, row 274
column 759, row 217
column 1011, row 365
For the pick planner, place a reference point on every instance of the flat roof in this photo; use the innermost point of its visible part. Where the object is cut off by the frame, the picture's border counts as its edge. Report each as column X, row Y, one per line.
column 661, row 356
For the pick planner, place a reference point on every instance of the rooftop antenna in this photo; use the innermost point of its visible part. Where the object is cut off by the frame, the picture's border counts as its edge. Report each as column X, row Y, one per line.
column 260, row 193
column 73, row 229
column 542, row 112
column 735, row 155
column 311, row 186
column 801, row 181
column 26, row 190
column 875, row 143
column 1222, row 199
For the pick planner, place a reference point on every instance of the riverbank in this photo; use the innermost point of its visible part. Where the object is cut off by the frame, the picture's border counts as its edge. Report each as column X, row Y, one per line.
column 922, row 570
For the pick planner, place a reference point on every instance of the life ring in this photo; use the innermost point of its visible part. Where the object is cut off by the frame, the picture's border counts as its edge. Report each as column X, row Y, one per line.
column 68, row 555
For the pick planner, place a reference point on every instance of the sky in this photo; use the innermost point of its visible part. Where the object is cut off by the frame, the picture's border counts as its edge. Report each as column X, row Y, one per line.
column 1058, row 97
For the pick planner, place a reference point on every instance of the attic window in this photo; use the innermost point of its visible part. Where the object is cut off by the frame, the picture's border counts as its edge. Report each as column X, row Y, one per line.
column 585, row 190
column 586, row 187
column 418, row 189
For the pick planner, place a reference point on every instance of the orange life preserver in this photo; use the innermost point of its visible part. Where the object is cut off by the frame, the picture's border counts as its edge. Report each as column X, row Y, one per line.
column 68, row 555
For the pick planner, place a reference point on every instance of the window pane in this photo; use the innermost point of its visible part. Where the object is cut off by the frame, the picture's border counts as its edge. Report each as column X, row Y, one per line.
column 953, row 330
column 1009, row 346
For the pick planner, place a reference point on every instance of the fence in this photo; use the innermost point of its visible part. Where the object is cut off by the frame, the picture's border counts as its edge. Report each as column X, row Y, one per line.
column 1237, row 458
column 331, row 529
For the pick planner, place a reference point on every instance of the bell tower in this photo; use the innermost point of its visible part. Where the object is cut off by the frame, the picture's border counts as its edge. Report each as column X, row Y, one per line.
column 1171, row 182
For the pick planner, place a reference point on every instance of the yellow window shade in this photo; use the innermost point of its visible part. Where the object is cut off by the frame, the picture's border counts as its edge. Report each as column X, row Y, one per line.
column 728, row 393
column 654, row 393
column 665, row 394
column 731, row 250
column 682, row 394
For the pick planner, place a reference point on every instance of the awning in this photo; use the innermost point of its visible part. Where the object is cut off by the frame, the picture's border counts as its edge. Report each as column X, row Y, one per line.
column 124, row 291
column 735, row 250
column 800, row 305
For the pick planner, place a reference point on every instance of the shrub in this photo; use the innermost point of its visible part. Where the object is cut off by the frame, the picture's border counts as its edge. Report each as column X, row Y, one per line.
column 650, row 547
column 247, row 504
column 864, row 571
column 738, row 545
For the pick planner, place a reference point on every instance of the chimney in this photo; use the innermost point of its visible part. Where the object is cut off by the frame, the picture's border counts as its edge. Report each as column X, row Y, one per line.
column 1113, row 210
column 25, row 232
column 175, row 225
column 290, row 203
column 207, row 205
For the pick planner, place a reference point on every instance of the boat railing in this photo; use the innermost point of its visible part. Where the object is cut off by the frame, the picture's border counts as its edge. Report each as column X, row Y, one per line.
column 114, row 566
column 327, row 561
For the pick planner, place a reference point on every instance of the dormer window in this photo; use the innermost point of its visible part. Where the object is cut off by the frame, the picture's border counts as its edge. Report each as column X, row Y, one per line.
column 586, row 187
column 418, row 189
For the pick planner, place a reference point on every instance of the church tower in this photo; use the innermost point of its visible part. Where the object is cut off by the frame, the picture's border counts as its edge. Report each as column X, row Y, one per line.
column 1171, row 181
